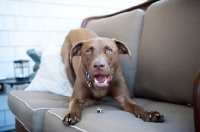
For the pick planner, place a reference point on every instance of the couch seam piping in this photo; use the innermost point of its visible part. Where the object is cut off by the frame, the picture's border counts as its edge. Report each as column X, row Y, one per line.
column 62, row 119
column 27, row 103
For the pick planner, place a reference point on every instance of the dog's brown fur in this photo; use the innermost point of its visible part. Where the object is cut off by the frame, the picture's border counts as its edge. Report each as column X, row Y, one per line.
column 99, row 58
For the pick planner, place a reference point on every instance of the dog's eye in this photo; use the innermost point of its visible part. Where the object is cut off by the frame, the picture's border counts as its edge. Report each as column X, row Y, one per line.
column 89, row 52
column 109, row 51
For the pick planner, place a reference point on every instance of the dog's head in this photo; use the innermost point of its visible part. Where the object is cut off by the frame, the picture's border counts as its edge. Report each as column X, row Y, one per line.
column 99, row 58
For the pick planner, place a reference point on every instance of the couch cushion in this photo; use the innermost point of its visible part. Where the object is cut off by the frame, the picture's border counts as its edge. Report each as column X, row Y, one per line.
column 178, row 118
column 168, row 58
column 127, row 28
column 29, row 107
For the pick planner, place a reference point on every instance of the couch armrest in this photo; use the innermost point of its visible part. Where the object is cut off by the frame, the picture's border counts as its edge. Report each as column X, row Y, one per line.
column 143, row 6
column 197, row 102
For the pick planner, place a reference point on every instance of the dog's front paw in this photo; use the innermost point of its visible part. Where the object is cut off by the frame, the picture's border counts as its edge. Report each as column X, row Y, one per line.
column 152, row 116
column 71, row 119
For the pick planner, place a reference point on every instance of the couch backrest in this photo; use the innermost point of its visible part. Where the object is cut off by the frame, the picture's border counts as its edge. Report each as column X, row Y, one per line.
column 169, row 52
column 127, row 28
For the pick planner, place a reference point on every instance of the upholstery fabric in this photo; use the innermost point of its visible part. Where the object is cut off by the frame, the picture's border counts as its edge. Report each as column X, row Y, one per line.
column 178, row 118
column 168, row 58
column 51, row 76
column 167, row 64
column 127, row 28
column 30, row 107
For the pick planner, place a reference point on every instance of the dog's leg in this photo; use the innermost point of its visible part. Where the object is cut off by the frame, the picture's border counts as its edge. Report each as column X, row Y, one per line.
column 74, row 115
column 78, row 98
column 129, row 106
column 122, row 95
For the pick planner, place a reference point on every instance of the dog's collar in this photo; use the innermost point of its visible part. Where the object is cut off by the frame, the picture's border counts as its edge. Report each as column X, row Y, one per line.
column 89, row 80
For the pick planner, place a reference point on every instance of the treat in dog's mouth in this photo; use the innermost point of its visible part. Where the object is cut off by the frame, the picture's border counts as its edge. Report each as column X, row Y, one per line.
column 102, row 80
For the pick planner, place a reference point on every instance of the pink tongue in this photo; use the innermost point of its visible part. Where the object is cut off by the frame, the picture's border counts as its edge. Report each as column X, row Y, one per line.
column 100, row 78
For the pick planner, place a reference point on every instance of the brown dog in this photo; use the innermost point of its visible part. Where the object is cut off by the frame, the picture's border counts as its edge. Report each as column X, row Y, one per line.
column 98, row 74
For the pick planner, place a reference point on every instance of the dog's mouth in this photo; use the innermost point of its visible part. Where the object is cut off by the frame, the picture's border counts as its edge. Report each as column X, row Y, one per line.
column 102, row 81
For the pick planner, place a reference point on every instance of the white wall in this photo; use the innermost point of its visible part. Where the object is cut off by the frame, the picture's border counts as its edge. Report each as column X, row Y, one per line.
column 27, row 24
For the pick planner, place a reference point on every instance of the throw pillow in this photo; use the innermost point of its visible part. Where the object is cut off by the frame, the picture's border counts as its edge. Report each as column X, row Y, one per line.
column 51, row 76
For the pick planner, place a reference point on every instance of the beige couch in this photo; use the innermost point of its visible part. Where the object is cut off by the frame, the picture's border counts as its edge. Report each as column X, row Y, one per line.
column 165, row 43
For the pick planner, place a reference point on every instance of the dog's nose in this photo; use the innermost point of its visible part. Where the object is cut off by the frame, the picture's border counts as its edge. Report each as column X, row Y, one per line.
column 99, row 65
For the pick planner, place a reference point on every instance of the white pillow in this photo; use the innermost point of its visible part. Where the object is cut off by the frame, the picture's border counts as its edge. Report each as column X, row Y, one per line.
column 51, row 76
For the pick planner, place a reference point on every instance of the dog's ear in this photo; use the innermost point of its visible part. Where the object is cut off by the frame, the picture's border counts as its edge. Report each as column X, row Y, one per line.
column 123, row 49
column 76, row 50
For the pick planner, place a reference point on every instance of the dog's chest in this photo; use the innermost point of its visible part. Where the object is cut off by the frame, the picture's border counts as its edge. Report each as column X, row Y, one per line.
column 99, row 93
